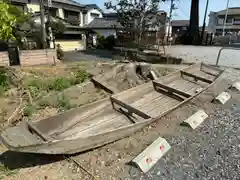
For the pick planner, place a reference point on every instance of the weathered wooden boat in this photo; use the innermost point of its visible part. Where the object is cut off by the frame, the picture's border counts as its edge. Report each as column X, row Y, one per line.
column 110, row 119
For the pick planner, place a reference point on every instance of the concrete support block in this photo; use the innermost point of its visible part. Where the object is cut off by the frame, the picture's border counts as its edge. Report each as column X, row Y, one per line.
column 149, row 157
column 236, row 86
column 222, row 98
column 196, row 119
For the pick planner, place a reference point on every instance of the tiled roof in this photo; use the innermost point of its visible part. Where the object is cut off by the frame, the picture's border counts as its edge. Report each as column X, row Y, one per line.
column 103, row 23
column 178, row 23
column 231, row 11
column 70, row 2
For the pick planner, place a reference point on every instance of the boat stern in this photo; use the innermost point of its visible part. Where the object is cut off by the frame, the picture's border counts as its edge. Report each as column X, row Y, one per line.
column 19, row 137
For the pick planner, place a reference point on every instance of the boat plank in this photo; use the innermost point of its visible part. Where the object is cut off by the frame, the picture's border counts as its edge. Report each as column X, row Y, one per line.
column 91, row 124
column 78, row 118
column 112, row 124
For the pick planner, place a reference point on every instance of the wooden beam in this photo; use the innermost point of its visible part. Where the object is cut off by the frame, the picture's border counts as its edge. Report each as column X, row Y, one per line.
column 39, row 133
column 130, row 108
column 196, row 77
column 210, row 67
column 171, row 90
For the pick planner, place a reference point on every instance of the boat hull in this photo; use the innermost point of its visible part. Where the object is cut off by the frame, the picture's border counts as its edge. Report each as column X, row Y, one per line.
column 110, row 119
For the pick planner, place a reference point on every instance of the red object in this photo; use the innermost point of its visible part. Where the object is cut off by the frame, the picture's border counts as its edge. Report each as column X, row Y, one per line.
column 148, row 160
column 162, row 147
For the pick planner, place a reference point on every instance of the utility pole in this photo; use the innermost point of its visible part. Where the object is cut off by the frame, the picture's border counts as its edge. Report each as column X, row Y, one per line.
column 49, row 30
column 172, row 7
column 43, row 28
column 204, row 21
column 225, row 19
column 194, row 23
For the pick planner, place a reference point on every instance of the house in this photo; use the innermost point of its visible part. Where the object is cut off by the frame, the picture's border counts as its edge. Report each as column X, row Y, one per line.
column 179, row 26
column 216, row 21
column 72, row 14
column 104, row 26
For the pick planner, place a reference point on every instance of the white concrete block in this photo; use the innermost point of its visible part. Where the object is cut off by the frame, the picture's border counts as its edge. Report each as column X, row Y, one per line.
column 146, row 159
column 196, row 119
column 222, row 98
column 236, row 86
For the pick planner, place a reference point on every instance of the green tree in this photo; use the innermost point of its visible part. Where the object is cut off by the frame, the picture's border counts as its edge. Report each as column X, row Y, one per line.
column 11, row 19
column 7, row 21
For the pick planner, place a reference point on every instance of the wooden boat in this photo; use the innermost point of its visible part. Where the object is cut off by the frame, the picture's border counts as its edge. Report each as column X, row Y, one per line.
column 110, row 119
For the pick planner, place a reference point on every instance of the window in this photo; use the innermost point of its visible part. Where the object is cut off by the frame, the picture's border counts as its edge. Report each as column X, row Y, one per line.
column 236, row 21
column 229, row 20
column 220, row 21
column 94, row 15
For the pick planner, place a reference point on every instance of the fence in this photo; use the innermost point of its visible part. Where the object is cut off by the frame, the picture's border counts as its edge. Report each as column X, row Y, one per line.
column 31, row 57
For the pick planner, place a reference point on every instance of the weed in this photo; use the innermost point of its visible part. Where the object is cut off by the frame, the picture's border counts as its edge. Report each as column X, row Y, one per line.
column 4, row 81
column 29, row 110
column 39, row 84
column 2, row 90
column 79, row 77
column 47, row 102
column 60, row 84
column 61, row 102
column 64, row 103
column 5, row 171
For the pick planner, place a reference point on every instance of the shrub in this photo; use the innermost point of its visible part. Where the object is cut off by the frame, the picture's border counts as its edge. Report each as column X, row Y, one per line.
column 109, row 42
column 101, row 42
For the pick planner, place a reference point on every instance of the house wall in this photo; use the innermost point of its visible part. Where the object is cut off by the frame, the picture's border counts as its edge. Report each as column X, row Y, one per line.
column 33, row 8
column 37, row 57
column 71, row 45
column 105, row 32
column 216, row 23
column 89, row 18
column 31, row 57
column 4, row 60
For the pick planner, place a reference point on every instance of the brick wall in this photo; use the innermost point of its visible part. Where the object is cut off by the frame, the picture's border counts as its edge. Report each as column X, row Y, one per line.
column 37, row 57
column 4, row 58
column 31, row 57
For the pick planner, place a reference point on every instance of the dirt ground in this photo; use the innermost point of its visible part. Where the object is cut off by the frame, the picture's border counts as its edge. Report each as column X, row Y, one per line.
column 28, row 166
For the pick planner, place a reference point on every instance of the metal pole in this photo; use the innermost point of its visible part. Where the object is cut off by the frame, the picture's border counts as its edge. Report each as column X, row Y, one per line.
column 170, row 18
column 225, row 19
column 204, row 21
column 43, row 29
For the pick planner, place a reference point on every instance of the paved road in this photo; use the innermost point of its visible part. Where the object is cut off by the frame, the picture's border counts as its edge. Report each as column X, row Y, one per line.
column 207, row 54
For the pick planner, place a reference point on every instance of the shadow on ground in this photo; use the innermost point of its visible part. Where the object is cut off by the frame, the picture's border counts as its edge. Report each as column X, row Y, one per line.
column 15, row 160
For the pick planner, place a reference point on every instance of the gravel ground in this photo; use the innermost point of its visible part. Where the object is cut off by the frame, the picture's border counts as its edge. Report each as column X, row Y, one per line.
column 207, row 54
column 212, row 151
